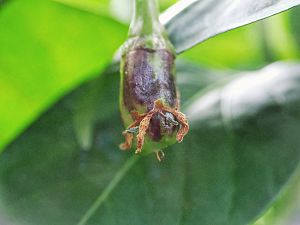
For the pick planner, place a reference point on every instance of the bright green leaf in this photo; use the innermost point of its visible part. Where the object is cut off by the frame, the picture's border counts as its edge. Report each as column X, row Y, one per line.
column 46, row 50
column 239, row 49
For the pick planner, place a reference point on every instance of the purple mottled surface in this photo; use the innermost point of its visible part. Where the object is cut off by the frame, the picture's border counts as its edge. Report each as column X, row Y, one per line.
column 148, row 75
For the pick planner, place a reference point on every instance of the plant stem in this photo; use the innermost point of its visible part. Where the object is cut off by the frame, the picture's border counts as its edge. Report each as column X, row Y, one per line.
column 145, row 19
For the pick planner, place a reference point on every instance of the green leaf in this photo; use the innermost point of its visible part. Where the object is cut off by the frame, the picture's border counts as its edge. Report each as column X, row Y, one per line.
column 239, row 49
column 286, row 208
column 294, row 18
column 190, row 22
column 242, row 148
column 46, row 50
column 252, row 126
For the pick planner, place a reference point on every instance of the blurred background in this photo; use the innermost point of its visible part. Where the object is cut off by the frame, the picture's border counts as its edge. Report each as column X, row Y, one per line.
column 24, row 96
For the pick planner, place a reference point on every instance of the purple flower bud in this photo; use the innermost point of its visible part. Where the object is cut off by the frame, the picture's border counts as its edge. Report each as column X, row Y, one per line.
column 148, row 96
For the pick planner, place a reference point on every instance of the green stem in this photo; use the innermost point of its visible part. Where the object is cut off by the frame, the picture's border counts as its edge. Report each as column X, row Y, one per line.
column 145, row 19
column 103, row 196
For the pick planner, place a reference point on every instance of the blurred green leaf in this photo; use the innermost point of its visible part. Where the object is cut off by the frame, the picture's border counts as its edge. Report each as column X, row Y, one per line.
column 285, row 210
column 294, row 20
column 249, row 47
column 191, row 22
column 251, row 125
column 242, row 148
column 46, row 50
column 120, row 10
column 100, row 7
column 240, row 49
column 279, row 38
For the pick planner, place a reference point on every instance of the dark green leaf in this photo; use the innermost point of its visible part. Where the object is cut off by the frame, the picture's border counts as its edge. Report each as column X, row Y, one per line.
column 250, row 127
column 190, row 22
column 242, row 148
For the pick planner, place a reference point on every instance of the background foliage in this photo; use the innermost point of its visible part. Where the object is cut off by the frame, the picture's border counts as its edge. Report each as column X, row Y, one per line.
column 38, row 65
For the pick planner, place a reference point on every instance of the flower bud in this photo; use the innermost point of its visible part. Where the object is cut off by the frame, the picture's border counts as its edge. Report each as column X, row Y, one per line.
column 148, row 97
